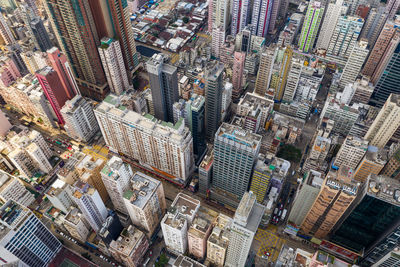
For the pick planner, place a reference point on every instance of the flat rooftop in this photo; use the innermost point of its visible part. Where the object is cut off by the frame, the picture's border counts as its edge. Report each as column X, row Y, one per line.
column 141, row 190
column 185, row 204
column 239, row 135
column 183, row 261
column 384, row 188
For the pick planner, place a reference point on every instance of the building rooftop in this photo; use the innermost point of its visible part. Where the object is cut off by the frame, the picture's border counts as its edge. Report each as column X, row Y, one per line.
column 183, row 261
column 142, row 188
column 71, row 105
column 343, row 180
column 112, row 167
column 74, row 216
column 11, row 215
column 208, row 160
column 239, row 135
column 249, row 212
column 128, row 241
column 384, row 188
column 176, row 133
column 71, row 164
column 202, row 222
column 56, row 188
column 220, row 232
column 81, row 188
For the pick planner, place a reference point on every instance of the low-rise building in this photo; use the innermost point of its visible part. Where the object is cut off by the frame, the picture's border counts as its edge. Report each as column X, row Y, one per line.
column 76, row 225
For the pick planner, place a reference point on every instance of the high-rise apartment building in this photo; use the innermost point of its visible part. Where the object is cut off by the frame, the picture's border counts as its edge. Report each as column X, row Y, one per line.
column 389, row 80
column 80, row 122
column 205, row 172
column 24, row 235
column 55, row 92
column 344, row 36
column 372, row 163
column 218, row 39
column 305, row 198
column 199, row 232
column 312, row 20
column 332, row 14
column 76, row 224
column 120, row 19
column 337, row 193
column 392, row 7
column 88, row 171
column 237, row 75
column 354, row 63
column 164, row 87
column 261, row 17
column 5, row 31
column 218, row 14
column 235, row 153
column 130, row 247
column 35, row 61
column 176, row 222
column 351, row 152
column 373, row 25
column 264, row 170
column 213, row 94
column 296, row 67
column 60, row 195
column 76, row 33
column 240, row 12
column 255, row 111
column 40, row 34
column 162, row 146
column 381, row 49
column 283, row 73
column 392, row 167
column 5, row 125
column 145, row 202
column 59, row 63
column 12, row 189
column 267, row 59
column 218, row 241
column 386, row 123
column 89, row 202
column 377, row 207
column 244, row 227
column 116, row 176
column 113, row 64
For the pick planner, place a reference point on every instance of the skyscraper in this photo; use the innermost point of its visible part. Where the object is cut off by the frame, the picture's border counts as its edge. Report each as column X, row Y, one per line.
column 124, row 32
column 243, row 229
column 213, row 93
column 386, row 123
column 337, row 193
column 345, row 36
column 354, row 63
column 218, row 39
column 23, row 235
column 54, row 90
column 372, row 163
column 237, row 76
column 75, row 30
column 389, row 81
column 312, row 20
column 267, row 59
column 235, row 153
column 240, row 11
column 333, row 12
column 116, row 176
column 40, row 33
column 390, row 31
column 89, row 202
column 113, row 64
column 261, row 16
column 371, row 226
column 60, row 64
column 296, row 67
column 80, row 122
column 164, row 87
column 218, row 14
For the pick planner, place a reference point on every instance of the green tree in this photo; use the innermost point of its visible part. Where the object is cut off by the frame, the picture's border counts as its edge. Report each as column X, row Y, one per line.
column 290, row 153
column 185, row 20
column 162, row 261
